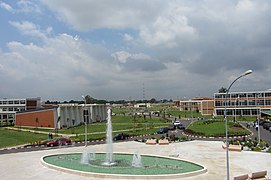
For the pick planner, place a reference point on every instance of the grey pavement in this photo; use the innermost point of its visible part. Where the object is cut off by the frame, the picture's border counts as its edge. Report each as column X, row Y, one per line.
column 27, row 165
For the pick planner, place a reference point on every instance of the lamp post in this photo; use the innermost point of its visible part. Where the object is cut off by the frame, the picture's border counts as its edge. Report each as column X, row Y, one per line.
column 226, row 120
column 85, row 118
column 236, row 100
column 258, row 118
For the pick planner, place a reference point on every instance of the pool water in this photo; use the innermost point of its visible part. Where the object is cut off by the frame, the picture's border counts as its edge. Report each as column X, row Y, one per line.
column 151, row 165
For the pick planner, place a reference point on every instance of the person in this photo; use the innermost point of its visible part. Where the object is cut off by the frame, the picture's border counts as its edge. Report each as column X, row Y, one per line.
column 256, row 126
column 50, row 136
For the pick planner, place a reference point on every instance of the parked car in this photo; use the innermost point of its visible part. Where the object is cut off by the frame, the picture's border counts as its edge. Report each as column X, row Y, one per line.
column 176, row 123
column 171, row 128
column 267, row 125
column 263, row 121
column 162, row 130
column 59, row 141
column 180, row 126
column 121, row 136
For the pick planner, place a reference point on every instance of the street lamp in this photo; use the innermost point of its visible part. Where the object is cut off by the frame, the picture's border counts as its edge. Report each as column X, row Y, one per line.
column 226, row 120
column 236, row 100
column 258, row 118
column 85, row 118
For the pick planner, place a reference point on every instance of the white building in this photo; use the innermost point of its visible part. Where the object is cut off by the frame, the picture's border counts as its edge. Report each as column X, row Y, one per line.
column 9, row 107
column 242, row 103
column 62, row 115
column 74, row 114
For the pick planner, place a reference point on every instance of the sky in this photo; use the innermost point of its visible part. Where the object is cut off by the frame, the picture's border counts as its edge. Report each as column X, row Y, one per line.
column 126, row 49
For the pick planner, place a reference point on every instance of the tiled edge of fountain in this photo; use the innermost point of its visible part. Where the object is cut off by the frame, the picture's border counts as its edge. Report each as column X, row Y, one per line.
column 125, row 176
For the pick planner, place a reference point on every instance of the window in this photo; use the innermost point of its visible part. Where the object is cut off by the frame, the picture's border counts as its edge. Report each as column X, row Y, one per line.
column 251, row 102
column 11, row 116
column 220, row 112
column 16, row 102
column 22, row 102
column 254, row 112
column 4, row 102
column 219, row 95
column 10, row 109
column 268, row 102
column 246, row 112
column 10, row 102
column 238, row 112
column 242, row 95
column 218, row 103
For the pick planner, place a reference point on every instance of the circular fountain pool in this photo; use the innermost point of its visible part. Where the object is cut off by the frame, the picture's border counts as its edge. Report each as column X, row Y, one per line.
column 152, row 166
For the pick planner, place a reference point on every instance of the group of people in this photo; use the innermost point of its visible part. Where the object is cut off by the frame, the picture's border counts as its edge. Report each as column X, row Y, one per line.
column 50, row 136
column 251, row 124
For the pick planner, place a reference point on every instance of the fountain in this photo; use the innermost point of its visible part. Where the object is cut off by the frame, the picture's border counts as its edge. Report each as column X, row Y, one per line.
column 128, row 166
column 85, row 159
column 109, row 141
column 92, row 156
column 136, row 160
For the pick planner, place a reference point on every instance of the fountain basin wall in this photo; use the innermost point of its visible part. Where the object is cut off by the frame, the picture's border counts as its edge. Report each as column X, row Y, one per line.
column 153, row 167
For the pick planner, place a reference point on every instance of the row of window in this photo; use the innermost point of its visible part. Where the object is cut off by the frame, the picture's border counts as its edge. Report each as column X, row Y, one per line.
column 238, row 112
column 12, row 102
column 7, row 116
column 244, row 95
column 239, row 103
column 15, row 109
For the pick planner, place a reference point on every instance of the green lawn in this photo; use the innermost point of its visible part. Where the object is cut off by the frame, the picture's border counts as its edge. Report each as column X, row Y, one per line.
column 118, row 123
column 128, row 124
column 216, row 128
column 14, row 138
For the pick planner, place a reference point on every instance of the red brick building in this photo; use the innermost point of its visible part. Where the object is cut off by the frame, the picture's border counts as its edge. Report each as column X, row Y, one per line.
column 37, row 118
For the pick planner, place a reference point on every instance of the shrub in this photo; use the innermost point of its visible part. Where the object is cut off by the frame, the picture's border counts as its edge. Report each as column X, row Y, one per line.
column 258, row 149
column 191, row 132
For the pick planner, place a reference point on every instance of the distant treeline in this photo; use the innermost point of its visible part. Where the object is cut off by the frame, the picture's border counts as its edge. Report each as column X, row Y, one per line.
column 91, row 100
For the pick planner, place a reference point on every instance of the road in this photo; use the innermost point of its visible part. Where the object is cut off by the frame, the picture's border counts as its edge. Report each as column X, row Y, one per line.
column 265, row 135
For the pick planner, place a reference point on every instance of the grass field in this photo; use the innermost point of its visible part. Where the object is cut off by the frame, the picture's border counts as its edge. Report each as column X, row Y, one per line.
column 14, row 138
column 217, row 128
column 128, row 124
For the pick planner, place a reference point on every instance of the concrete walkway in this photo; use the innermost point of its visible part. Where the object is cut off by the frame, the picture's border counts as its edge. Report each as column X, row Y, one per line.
column 207, row 153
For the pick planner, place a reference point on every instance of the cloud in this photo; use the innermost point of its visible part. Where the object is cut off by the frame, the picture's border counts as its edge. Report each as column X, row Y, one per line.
column 85, row 15
column 6, row 6
column 28, row 28
column 127, row 37
column 28, row 7
column 170, row 26
column 123, row 56
column 178, row 48
column 23, row 6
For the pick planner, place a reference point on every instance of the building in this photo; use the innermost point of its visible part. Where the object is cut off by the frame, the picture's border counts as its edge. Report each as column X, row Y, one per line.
column 204, row 105
column 142, row 105
column 243, row 103
column 9, row 107
column 62, row 115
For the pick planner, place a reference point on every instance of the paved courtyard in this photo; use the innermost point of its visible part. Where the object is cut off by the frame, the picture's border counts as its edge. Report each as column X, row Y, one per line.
column 210, row 154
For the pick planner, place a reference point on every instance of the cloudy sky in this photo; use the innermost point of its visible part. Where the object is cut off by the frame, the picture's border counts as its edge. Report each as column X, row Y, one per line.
column 127, row 49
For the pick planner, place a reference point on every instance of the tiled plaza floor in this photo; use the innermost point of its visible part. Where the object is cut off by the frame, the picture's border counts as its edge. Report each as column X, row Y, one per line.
column 210, row 154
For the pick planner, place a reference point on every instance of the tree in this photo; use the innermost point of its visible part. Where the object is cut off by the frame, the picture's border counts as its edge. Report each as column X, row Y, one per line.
column 37, row 122
column 89, row 99
column 222, row 90
column 58, row 120
column 73, row 122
